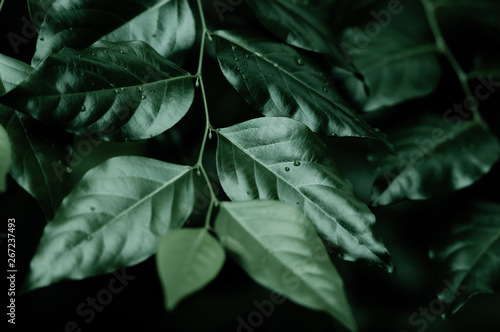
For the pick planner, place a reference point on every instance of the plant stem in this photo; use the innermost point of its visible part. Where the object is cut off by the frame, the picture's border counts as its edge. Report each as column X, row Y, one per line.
column 442, row 47
column 208, row 127
column 1, row 5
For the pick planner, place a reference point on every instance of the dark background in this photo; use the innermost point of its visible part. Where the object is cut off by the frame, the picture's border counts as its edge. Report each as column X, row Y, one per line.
column 380, row 302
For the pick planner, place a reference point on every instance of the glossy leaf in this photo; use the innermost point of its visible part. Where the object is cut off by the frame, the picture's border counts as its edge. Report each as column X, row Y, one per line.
column 122, row 90
column 187, row 260
column 283, row 252
column 278, row 81
column 281, row 159
column 299, row 23
column 12, row 72
column 435, row 157
column 114, row 217
column 167, row 25
column 399, row 63
column 467, row 255
column 4, row 158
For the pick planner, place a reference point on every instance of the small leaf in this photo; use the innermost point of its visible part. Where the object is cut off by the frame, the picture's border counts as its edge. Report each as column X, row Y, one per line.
column 114, row 217
column 281, row 159
column 187, row 260
column 301, row 24
column 125, row 92
column 5, row 154
column 167, row 25
column 399, row 63
column 467, row 255
column 279, row 81
column 435, row 157
column 285, row 254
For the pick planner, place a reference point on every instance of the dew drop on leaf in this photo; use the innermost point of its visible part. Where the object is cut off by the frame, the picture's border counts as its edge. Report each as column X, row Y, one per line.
column 296, row 163
column 69, row 170
column 275, row 64
column 258, row 54
column 245, row 63
column 287, row 169
column 143, row 97
column 121, row 52
column 236, row 59
column 325, row 89
column 83, row 109
column 93, row 53
column 154, row 35
column 238, row 68
column 42, row 39
column 299, row 61
column 105, row 51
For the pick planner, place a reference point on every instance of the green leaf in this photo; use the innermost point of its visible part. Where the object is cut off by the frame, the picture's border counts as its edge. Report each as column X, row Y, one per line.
column 114, row 217
column 467, row 255
column 301, row 24
column 167, row 25
column 281, row 159
column 38, row 11
column 279, row 81
column 435, row 157
column 284, row 253
column 399, row 63
column 41, row 157
column 5, row 156
column 123, row 90
column 187, row 260
column 12, row 72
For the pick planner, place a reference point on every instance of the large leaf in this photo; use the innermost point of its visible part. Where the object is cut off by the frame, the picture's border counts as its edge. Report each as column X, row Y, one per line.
column 40, row 155
column 4, row 157
column 301, row 24
column 278, row 81
column 114, row 217
column 398, row 63
column 167, row 25
column 12, row 72
column 467, row 255
column 187, row 260
column 281, row 159
column 123, row 90
column 435, row 157
column 279, row 248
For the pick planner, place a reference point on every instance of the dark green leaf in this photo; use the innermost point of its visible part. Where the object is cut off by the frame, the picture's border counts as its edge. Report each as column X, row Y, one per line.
column 484, row 12
column 435, row 157
column 187, row 260
column 279, row 248
column 114, row 217
column 279, row 158
column 12, row 72
column 301, row 24
column 5, row 155
column 279, row 81
column 467, row 255
column 398, row 63
column 123, row 90
column 167, row 25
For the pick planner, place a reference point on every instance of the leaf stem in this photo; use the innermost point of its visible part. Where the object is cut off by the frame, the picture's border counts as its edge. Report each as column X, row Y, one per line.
column 442, row 47
column 1, row 5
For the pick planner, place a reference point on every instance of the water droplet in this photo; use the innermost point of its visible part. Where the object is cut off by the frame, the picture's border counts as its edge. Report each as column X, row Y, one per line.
column 143, row 97
column 139, row 88
column 325, row 89
column 245, row 63
column 299, row 61
column 244, row 77
column 233, row 47
column 121, row 52
column 123, row 89
column 83, row 109
column 152, row 91
column 117, row 91
column 112, row 85
column 110, row 46
column 287, row 169
column 238, row 68
column 297, row 203
column 270, row 74
column 361, row 242
column 92, row 208
column 296, row 163
column 93, row 53
column 125, row 68
column 79, row 55
column 69, row 170
column 258, row 54
column 236, row 59
column 198, row 172
column 275, row 64
column 154, row 35
column 89, row 237
column 42, row 39
column 247, row 56
column 210, row 135
column 105, row 51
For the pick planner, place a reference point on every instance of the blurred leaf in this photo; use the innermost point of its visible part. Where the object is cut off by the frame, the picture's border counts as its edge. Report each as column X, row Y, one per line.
column 167, row 25
column 467, row 255
column 278, row 81
column 38, row 11
column 484, row 12
column 281, row 159
column 300, row 23
column 114, row 217
column 123, row 90
column 5, row 155
column 435, row 157
column 284, row 253
column 398, row 63
column 187, row 260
